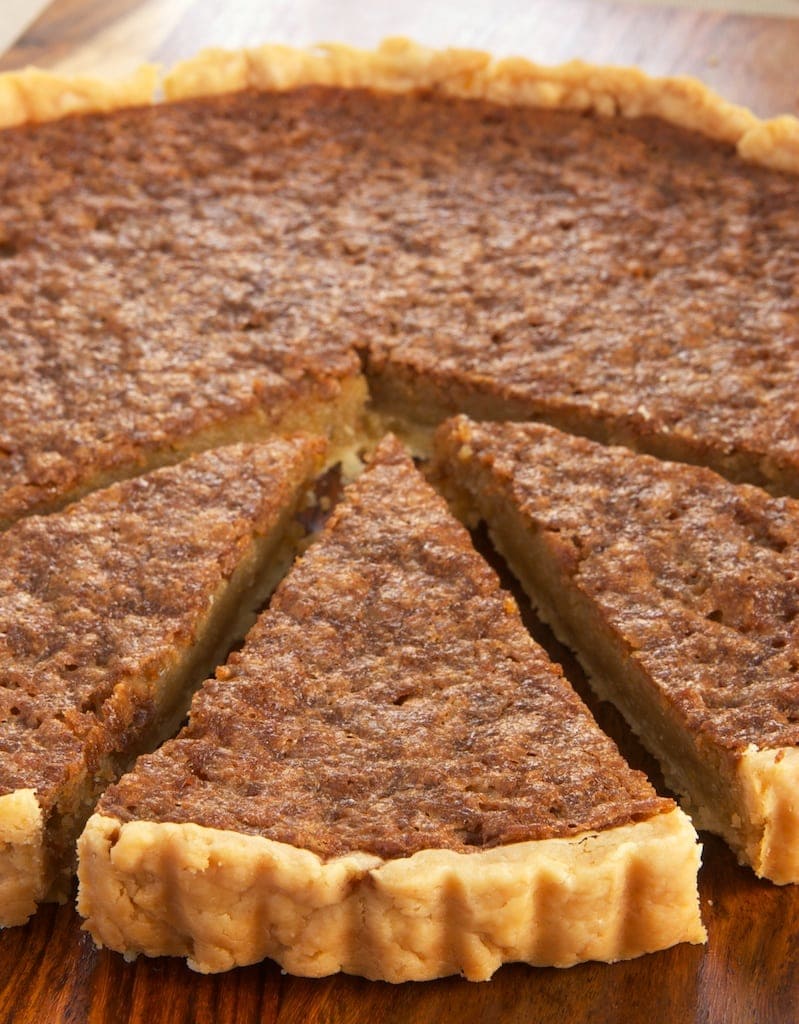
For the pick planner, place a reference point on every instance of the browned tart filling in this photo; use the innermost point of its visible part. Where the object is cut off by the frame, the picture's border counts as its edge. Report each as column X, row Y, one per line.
column 678, row 590
column 154, row 300
column 109, row 612
column 389, row 712
column 198, row 270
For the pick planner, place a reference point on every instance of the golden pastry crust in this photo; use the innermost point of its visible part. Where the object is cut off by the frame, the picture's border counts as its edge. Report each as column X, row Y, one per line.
column 399, row 65
column 23, row 875
column 769, row 784
column 223, row 899
column 773, row 143
column 33, row 95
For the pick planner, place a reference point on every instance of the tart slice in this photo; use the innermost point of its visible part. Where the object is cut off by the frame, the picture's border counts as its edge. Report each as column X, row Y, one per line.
column 679, row 592
column 390, row 779
column 155, row 302
column 110, row 613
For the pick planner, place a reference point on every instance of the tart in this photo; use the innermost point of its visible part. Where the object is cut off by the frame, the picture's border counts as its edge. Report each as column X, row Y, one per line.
column 678, row 591
column 111, row 611
column 389, row 779
column 235, row 263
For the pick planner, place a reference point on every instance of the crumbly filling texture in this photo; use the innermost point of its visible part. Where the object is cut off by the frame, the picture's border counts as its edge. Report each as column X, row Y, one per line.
column 144, row 298
column 97, row 601
column 167, row 269
column 697, row 576
column 389, row 701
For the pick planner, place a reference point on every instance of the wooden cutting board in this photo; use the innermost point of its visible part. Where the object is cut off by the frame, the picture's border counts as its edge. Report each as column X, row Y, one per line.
column 749, row 971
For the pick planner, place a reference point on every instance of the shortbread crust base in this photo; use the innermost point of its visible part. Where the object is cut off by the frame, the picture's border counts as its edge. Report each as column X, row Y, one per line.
column 768, row 783
column 33, row 95
column 22, row 858
column 223, row 899
column 752, row 801
column 37, row 857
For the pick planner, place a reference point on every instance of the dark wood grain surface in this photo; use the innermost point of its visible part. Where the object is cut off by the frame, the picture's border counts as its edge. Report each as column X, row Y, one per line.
column 749, row 971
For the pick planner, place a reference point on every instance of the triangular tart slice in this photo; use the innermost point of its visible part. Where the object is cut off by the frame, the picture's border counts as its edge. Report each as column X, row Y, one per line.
column 390, row 779
column 678, row 591
column 111, row 613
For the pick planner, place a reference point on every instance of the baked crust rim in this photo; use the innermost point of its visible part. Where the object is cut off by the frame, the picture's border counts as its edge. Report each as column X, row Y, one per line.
column 400, row 65
column 224, row 899
column 769, row 782
column 33, row 94
column 23, row 880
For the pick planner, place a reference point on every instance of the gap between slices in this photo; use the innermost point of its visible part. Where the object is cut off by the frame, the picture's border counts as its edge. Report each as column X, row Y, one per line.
column 111, row 612
column 677, row 591
column 389, row 779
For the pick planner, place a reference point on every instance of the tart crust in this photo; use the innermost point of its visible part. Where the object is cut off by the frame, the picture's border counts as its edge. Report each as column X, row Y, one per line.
column 23, row 877
column 400, row 65
column 222, row 899
column 769, row 784
column 33, row 95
